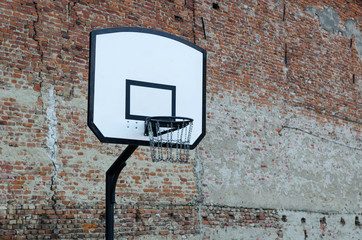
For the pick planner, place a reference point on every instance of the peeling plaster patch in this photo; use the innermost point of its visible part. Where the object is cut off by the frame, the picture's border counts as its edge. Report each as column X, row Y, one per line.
column 314, row 168
column 79, row 100
column 285, row 70
column 329, row 21
column 52, row 134
column 276, row 4
column 158, row 237
column 294, row 225
column 241, row 233
column 24, row 97
column 319, row 225
column 350, row 31
column 35, row 158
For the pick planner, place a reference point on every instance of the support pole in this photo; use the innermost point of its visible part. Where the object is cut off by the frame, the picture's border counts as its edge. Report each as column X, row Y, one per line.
column 111, row 182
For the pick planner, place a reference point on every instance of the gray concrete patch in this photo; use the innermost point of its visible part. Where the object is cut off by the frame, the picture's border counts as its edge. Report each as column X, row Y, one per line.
column 329, row 21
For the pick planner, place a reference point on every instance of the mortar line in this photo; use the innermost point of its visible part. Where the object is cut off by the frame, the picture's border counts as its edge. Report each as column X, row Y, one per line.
column 238, row 207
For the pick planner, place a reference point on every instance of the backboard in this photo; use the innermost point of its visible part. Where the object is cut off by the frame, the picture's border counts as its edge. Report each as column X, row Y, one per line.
column 136, row 73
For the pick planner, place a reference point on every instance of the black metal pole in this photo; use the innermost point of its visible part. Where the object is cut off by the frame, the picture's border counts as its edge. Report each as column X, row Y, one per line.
column 111, row 182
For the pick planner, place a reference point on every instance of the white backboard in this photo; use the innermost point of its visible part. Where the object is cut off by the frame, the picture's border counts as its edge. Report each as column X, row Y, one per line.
column 135, row 73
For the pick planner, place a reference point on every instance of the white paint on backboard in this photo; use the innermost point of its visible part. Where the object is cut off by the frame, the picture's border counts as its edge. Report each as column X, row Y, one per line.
column 147, row 58
column 158, row 101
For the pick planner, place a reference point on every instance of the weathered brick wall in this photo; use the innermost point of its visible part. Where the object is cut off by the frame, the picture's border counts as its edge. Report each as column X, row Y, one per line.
column 282, row 155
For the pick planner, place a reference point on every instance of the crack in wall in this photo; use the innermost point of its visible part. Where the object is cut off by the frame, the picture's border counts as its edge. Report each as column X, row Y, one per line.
column 64, row 55
column 51, row 142
column 323, row 111
column 35, row 37
column 199, row 199
column 317, row 136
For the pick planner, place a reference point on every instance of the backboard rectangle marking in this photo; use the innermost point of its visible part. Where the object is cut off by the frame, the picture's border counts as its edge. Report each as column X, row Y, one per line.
column 147, row 95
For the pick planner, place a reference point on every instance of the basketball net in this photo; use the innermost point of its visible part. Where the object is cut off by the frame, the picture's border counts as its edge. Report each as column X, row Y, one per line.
column 169, row 138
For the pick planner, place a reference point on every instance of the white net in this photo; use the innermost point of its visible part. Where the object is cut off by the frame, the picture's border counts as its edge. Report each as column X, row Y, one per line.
column 169, row 138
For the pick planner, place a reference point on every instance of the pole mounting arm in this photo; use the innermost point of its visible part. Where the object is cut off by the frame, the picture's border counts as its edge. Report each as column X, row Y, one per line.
column 111, row 183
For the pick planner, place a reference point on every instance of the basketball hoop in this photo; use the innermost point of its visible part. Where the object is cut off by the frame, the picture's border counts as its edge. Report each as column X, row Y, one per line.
column 147, row 93
column 169, row 138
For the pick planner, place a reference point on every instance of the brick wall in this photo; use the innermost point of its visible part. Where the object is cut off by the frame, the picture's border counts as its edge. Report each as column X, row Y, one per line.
column 281, row 158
